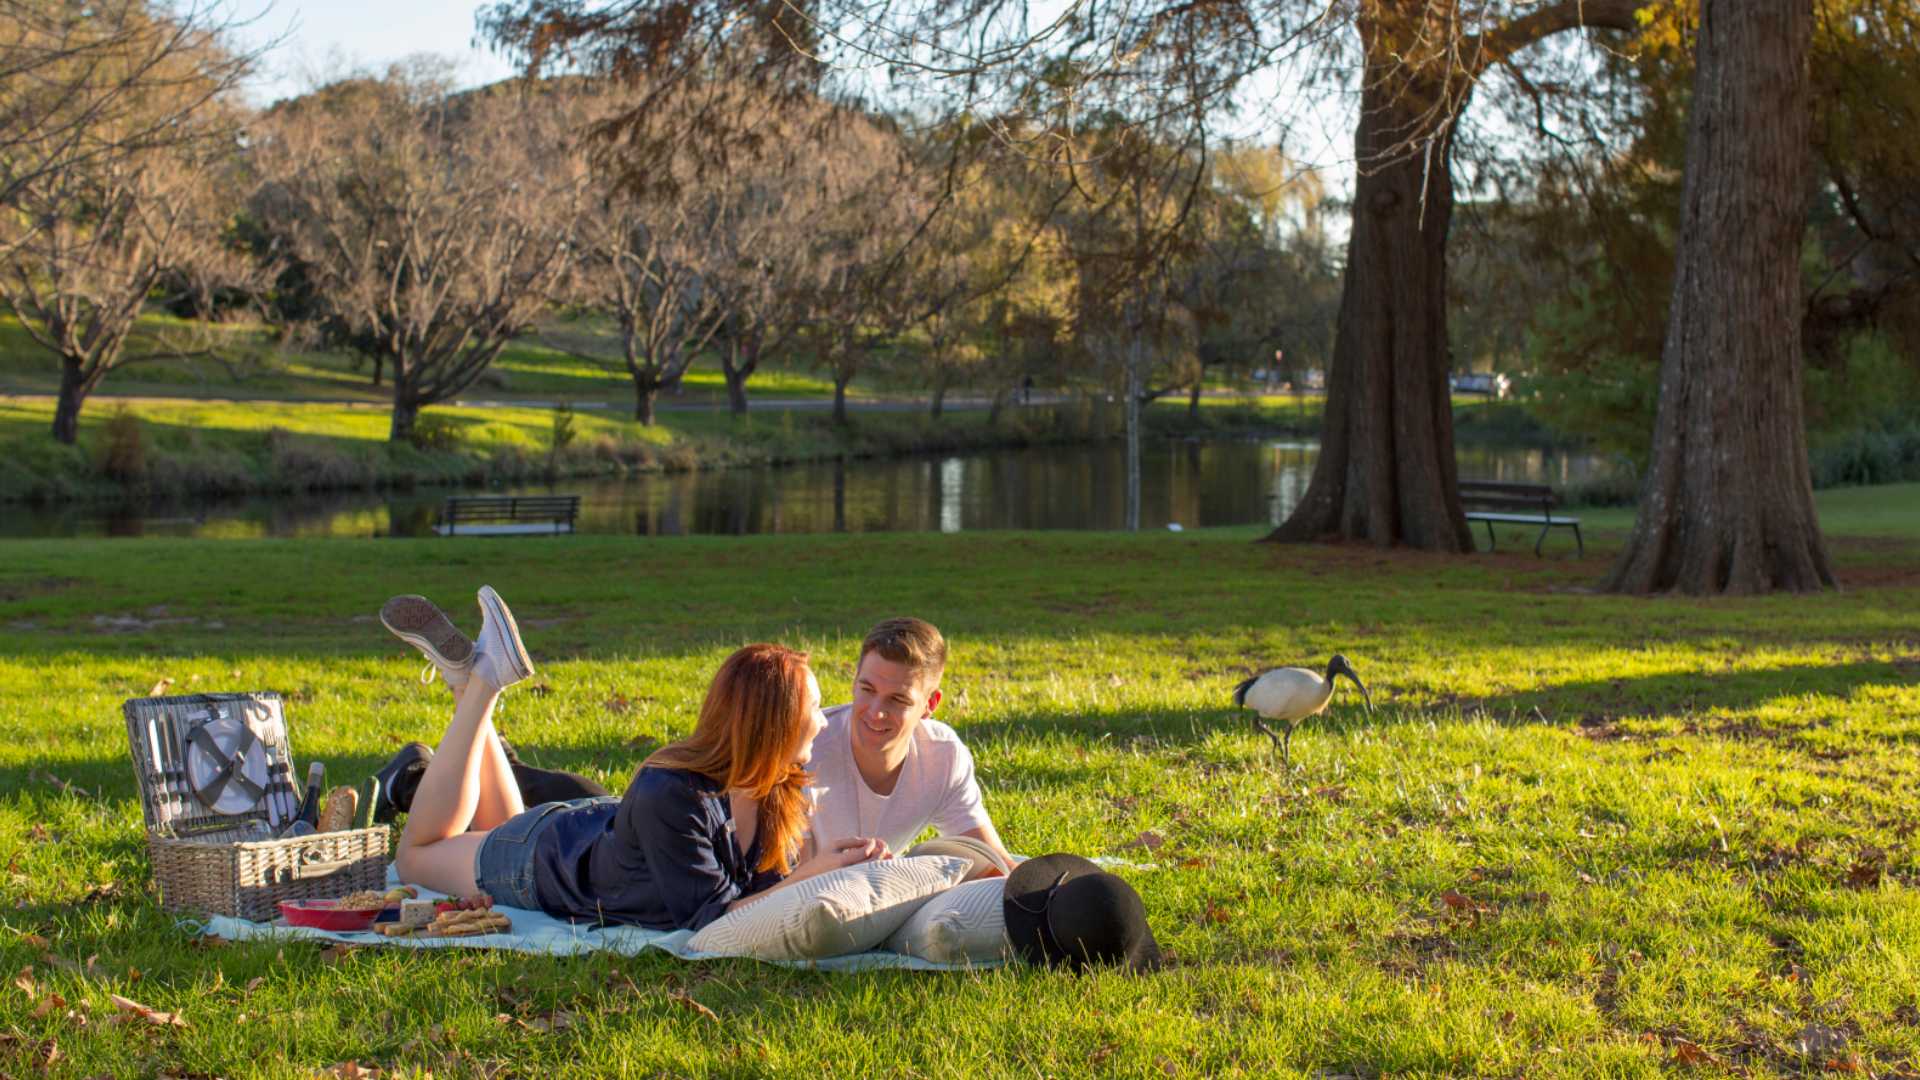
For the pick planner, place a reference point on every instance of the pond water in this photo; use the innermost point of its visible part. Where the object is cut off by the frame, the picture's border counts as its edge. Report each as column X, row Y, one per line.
column 1190, row 483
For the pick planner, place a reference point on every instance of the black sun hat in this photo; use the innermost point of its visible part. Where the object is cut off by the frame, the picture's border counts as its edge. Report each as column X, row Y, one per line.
column 1063, row 909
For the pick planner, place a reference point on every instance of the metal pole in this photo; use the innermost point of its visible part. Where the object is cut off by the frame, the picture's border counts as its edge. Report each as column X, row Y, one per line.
column 1135, row 351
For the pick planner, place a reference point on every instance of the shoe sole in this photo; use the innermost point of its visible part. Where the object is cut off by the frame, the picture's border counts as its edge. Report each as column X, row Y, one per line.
column 497, row 613
column 420, row 623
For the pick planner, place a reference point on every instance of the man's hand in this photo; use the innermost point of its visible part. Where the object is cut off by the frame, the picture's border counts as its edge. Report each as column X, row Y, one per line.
column 846, row 852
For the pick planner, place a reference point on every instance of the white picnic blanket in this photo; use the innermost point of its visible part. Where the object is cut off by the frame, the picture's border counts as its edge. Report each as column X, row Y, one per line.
column 538, row 932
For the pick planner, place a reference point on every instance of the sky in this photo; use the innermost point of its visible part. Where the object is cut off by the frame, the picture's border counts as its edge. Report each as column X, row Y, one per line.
column 318, row 40
column 323, row 37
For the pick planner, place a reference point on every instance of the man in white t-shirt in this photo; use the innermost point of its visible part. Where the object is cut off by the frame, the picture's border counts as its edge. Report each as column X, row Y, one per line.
column 884, row 767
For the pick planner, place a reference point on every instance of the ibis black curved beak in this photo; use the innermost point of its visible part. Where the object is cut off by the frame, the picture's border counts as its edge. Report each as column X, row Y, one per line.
column 1339, row 666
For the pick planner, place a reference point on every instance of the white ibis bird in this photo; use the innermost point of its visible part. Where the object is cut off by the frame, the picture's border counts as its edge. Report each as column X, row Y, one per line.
column 1290, row 694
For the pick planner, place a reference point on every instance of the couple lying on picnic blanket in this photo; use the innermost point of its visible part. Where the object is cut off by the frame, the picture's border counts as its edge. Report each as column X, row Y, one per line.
column 729, row 815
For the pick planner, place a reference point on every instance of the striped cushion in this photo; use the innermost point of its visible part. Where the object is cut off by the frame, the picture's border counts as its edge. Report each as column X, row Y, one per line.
column 843, row 911
column 962, row 925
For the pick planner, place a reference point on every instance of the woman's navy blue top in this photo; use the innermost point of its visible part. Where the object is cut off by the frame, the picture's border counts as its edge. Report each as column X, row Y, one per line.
column 664, row 857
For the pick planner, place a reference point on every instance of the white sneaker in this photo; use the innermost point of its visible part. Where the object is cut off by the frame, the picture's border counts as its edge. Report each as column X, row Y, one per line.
column 498, row 656
column 417, row 621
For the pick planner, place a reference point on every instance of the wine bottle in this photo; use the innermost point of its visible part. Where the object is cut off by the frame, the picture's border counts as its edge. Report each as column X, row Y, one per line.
column 310, row 806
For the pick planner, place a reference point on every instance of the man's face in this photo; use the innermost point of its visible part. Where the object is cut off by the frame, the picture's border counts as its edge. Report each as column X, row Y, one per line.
column 889, row 701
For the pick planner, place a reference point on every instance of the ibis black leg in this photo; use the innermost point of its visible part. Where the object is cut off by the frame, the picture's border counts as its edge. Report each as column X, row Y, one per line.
column 1268, row 732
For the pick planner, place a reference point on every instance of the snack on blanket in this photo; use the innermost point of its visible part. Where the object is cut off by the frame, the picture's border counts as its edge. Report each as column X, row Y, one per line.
column 361, row 901
column 416, row 914
column 466, row 923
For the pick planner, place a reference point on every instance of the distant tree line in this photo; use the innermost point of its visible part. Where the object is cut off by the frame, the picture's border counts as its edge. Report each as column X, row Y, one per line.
column 422, row 229
column 1043, row 195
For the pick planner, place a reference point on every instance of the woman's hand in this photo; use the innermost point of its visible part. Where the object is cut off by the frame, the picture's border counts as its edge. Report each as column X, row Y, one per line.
column 853, row 849
column 847, row 852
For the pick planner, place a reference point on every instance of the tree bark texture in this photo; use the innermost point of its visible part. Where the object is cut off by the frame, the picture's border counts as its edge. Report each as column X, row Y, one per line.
column 1386, row 470
column 645, row 395
column 405, row 412
column 841, row 378
column 737, row 376
column 73, row 394
column 1727, row 502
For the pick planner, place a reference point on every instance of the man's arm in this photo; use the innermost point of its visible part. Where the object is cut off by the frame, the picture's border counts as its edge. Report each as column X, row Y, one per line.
column 986, row 834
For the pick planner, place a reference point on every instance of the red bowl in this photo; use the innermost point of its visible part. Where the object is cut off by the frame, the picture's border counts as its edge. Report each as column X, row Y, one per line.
column 325, row 915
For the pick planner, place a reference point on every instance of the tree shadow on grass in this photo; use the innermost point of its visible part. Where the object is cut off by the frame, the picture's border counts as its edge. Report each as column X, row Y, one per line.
column 1586, row 704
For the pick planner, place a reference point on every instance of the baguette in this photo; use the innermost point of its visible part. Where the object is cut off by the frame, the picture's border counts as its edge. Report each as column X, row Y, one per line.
column 452, row 924
column 341, row 804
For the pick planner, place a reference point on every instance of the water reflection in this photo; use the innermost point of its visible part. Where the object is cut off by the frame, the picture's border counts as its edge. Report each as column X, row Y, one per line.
column 1194, row 483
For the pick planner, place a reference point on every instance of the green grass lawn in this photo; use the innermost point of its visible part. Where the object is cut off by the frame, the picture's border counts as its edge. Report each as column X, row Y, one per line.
column 1584, row 835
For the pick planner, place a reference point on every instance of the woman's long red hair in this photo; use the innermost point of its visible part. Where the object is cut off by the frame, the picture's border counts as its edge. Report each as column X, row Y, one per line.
column 755, row 711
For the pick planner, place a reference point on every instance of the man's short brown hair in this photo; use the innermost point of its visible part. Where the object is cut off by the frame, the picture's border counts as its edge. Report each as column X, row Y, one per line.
column 914, row 642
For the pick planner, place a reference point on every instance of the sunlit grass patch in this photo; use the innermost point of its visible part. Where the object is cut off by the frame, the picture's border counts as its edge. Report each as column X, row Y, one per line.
column 1582, row 834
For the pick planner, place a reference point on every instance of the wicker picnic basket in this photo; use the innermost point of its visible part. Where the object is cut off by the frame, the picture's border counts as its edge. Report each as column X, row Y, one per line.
column 216, row 784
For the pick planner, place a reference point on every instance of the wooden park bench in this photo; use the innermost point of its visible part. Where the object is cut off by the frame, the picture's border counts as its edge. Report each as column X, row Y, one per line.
column 1516, row 504
column 507, row 515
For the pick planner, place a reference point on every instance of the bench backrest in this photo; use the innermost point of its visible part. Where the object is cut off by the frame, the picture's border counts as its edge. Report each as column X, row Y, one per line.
column 511, row 507
column 1495, row 495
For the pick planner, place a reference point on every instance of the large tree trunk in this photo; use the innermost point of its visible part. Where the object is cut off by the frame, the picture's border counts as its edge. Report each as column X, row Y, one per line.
column 737, row 376
column 73, row 394
column 645, row 395
column 1727, row 504
column 939, row 403
column 406, row 410
column 1386, row 470
column 841, row 377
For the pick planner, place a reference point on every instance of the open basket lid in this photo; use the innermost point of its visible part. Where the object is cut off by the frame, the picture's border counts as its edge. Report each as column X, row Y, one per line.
column 211, row 763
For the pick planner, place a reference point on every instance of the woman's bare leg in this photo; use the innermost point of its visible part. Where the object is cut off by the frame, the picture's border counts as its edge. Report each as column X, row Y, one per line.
column 468, row 787
column 500, row 796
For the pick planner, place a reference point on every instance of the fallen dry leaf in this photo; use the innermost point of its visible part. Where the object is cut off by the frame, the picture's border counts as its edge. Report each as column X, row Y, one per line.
column 1690, row 1053
column 24, row 980
column 35, row 941
column 1867, row 869
column 255, row 983
column 149, row 1014
column 164, row 684
column 1149, row 840
column 1819, row 1042
column 1466, row 905
column 48, row 1004
column 685, row 999
column 350, row 1070
column 64, row 786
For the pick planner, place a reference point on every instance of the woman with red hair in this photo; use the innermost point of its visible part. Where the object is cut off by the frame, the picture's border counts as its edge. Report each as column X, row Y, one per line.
column 708, row 823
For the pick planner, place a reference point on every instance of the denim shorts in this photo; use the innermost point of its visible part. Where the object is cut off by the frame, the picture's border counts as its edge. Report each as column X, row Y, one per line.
column 503, row 867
